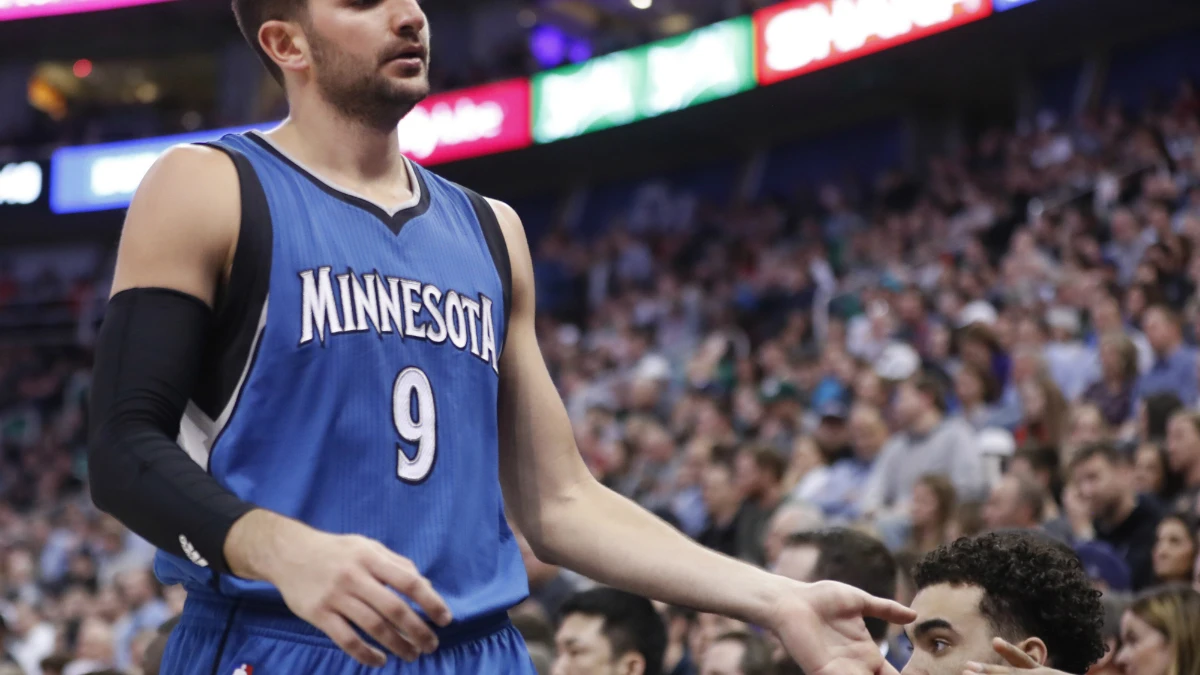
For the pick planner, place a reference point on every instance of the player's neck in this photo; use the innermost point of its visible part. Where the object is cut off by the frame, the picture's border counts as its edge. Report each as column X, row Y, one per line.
column 341, row 147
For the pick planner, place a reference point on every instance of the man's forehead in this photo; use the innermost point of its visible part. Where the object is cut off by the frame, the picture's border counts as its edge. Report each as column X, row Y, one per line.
column 582, row 627
column 957, row 604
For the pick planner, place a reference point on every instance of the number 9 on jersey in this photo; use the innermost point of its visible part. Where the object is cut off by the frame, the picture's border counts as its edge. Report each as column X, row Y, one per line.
column 415, row 418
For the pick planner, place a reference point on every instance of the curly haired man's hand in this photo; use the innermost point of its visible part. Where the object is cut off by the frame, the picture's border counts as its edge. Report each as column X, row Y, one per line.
column 1020, row 663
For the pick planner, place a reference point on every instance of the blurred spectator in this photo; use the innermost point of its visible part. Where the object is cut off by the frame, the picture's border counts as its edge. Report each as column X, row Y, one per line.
column 1152, row 473
column 1104, row 566
column 152, row 659
column 724, row 504
column 1015, row 502
column 789, row 519
column 677, row 660
column 1158, row 632
column 1174, row 367
column 928, row 443
column 604, row 630
column 30, row 638
column 738, row 653
column 760, row 481
column 1114, row 606
column 849, row 557
column 1122, row 518
column 94, row 648
column 934, row 504
column 839, row 495
column 147, row 611
column 1175, row 549
column 1044, row 412
column 1183, row 453
column 1113, row 392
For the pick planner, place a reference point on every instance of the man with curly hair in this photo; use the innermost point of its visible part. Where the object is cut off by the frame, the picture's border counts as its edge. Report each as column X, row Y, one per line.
column 1020, row 586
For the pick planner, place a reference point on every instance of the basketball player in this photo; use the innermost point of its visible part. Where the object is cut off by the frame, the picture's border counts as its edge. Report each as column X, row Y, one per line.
column 319, row 371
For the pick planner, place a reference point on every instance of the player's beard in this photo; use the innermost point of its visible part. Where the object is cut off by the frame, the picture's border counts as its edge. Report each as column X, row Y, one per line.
column 359, row 91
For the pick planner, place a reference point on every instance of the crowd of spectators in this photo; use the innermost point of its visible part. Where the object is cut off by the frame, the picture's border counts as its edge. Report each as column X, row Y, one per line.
column 1005, row 341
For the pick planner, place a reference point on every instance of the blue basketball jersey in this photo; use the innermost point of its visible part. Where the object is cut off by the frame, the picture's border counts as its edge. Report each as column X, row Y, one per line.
column 352, row 375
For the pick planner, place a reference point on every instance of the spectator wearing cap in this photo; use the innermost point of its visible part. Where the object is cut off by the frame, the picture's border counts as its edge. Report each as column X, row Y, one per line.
column 1104, row 566
column 838, row 497
column 927, row 442
column 1123, row 519
column 1174, row 367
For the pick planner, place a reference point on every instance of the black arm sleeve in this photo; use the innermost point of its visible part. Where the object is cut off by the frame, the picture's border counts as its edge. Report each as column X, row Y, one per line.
column 148, row 359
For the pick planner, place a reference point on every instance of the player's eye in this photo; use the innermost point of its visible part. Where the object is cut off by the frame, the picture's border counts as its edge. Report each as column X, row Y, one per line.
column 940, row 645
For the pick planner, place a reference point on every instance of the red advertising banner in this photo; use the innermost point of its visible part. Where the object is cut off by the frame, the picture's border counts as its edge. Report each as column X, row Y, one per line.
column 468, row 123
column 799, row 37
column 27, row 9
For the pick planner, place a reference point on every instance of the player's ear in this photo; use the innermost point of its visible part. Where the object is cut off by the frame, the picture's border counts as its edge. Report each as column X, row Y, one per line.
column 631, row 663
column 285, row 43
column 1035, row 649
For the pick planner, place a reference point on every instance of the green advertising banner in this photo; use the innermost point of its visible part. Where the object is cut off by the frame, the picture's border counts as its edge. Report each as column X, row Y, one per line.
column 705, row 64
column 672, row 74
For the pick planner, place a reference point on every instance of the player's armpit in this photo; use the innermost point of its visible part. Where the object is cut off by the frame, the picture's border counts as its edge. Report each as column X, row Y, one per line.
column 182, row 226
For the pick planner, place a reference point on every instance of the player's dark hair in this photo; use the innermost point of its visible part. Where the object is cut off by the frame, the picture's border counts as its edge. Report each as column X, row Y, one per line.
column 855, row 559
column 756, row 657
column 1109, row 451
column 631, row 623
column 1033, row 586
column 252, row 14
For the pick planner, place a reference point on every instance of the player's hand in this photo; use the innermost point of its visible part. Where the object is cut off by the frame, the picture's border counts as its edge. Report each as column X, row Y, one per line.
column 338, row 582
column 821, row 625
column 1020, row 663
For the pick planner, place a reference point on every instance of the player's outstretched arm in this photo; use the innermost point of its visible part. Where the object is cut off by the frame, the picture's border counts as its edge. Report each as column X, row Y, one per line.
column 572, row 520
column 176, row 250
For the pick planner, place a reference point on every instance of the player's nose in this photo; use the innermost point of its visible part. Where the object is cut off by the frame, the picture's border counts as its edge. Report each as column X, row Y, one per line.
column 407, row 17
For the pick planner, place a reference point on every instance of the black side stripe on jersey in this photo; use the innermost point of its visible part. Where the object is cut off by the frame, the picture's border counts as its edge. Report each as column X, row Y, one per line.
column 488, row 222
column 240, row 303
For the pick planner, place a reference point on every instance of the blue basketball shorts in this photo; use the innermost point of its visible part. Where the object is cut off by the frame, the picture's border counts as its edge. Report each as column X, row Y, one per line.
column 220, row 636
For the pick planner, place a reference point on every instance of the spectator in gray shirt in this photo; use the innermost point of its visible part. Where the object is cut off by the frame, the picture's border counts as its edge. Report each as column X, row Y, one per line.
column 926, row 443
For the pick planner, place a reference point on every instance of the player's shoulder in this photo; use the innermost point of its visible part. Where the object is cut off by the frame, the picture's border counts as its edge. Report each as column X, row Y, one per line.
column 190, row 192
column 191, row 180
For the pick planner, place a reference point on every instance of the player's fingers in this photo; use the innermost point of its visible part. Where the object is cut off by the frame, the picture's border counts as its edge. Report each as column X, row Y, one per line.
column 384, row 601
column 403, row 576
column 1013, row 654
column 374, row 624
column 350, row 641
column 888, row 610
